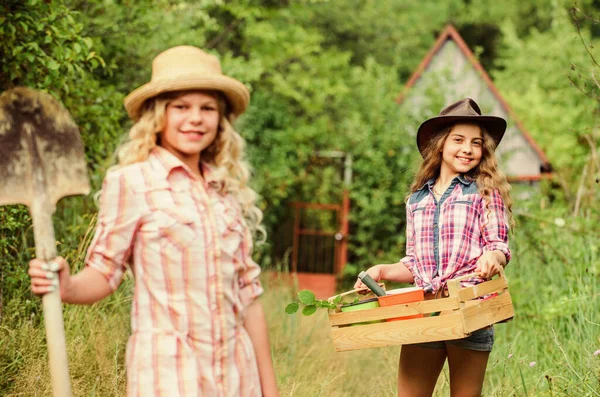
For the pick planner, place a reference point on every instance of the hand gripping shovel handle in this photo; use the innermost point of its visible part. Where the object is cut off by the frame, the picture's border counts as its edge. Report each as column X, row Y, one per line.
column 45, row 249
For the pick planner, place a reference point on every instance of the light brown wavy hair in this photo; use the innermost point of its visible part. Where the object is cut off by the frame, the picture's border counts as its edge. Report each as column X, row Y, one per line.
column 225, row 154
column 486, row 174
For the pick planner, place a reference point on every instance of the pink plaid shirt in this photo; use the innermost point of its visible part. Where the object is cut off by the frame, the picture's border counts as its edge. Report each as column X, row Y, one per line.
column 189, row 251
column 445, row 239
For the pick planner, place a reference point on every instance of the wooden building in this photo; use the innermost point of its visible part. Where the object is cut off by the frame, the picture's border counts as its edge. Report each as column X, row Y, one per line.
column 450, row 72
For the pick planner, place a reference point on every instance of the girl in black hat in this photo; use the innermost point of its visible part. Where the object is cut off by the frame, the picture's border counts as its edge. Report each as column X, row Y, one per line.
column 458, row 215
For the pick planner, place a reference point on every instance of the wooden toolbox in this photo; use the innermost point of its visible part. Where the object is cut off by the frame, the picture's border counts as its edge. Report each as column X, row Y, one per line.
column 452, row 317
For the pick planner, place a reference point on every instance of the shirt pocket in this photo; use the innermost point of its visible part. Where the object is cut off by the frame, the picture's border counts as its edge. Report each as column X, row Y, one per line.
column 234, row 224
column 233, row 236
column 423, row 232
column 460, row 220
column 230, row 225
column 421, row 215
column 419, row 209
column 466, row 202
column 176, row 226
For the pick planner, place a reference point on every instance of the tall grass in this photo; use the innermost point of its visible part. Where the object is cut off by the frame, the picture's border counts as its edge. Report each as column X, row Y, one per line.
column 547, row 350
column 96, row 337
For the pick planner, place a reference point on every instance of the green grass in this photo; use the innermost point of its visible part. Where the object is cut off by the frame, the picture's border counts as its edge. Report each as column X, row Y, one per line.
column 553, row 279
column 96, row 339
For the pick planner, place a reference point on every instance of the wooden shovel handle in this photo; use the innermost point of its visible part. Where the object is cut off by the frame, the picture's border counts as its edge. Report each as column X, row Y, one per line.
column 45, row 249
column 330, row 299
column 55, row 339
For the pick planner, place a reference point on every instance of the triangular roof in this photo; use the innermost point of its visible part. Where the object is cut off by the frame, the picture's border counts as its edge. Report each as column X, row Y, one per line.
column 450, row 33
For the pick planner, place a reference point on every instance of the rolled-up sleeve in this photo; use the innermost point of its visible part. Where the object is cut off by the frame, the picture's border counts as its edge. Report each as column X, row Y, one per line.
column 117, row 223
column 409, row 258
column 248, row 280
column 494, row 225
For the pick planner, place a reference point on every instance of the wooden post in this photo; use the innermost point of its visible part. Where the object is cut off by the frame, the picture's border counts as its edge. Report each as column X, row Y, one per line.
column 344, row 229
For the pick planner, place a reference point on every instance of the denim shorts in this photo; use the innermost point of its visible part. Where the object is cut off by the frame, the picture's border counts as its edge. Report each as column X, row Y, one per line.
column 481, row 340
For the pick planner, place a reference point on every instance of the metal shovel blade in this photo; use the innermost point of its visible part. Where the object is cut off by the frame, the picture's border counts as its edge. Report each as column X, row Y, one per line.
column 39, row 144
column 41, row 161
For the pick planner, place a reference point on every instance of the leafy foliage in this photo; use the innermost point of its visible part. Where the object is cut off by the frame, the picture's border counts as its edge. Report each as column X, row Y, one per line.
column 323, row 75
column 311, row 303
column 42, row 46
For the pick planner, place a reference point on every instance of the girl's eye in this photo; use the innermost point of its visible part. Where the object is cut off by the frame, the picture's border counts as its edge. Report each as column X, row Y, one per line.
column 477, row 143
column 209, row 108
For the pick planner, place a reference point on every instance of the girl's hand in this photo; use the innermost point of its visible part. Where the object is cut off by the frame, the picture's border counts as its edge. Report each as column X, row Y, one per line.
column 375, row 273
column 488, row 264
column 45, row 276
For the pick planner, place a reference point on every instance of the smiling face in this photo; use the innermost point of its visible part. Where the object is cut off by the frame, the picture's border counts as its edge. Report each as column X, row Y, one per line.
column 191, row 125
column 462, row 150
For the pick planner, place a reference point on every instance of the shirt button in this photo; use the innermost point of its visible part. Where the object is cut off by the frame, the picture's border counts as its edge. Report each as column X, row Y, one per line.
column 435, row 225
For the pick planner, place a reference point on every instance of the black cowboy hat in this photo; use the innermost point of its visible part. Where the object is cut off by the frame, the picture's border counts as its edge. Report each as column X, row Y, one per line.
column 465, row 110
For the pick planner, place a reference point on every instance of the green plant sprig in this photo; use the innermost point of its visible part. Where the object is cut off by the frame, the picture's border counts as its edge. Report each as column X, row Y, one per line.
column 311, row 303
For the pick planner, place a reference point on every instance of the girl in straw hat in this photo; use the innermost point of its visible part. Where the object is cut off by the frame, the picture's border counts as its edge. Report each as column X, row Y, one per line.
column 458, row 214
column 179, row 213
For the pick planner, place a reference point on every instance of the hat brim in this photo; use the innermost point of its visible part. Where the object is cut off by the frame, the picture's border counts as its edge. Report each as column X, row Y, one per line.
column 236, row 93
column 495, row 126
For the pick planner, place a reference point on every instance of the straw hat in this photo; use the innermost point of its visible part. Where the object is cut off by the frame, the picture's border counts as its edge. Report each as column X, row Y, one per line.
column 465, row 110
column 187, row 68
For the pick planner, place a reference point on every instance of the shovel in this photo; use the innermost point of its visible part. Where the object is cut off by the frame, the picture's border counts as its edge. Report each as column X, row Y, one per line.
column 42, row 161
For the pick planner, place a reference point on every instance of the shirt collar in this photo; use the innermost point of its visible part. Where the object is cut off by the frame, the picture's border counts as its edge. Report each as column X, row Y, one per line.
column 461, row 178
column 464, row 180
column 165, row 162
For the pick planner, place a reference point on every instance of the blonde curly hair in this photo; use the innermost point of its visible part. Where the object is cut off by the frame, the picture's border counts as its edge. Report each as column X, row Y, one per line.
column 226, row 152
column 486, row 174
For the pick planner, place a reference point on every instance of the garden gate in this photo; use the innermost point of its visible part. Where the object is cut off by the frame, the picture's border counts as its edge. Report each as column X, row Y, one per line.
column 320, row 244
